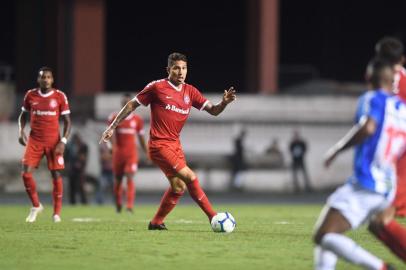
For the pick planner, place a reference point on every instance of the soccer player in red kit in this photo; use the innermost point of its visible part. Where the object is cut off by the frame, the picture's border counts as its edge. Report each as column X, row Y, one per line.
column 45, row 106
column 384, row 226
column 170, row 100
column 125, row 154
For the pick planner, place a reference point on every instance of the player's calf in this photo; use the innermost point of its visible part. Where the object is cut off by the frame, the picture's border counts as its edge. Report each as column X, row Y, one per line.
column 30, row 187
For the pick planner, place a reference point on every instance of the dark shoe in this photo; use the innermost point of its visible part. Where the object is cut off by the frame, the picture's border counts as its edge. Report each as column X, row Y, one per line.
column 389, row 267
column 157, row 227
column 130, row 210
column 118, row 208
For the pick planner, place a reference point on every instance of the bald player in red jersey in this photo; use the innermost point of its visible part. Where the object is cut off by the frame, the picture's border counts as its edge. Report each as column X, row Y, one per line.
column 125, row 155
column 384, row 226
column 45, row 106
column 171, row 100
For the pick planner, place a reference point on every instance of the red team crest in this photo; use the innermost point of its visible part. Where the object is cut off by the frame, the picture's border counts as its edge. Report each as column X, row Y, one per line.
column 186, row 99
column 53, row 103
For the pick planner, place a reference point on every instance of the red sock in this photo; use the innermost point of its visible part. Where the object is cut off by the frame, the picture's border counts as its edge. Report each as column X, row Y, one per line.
column 168, row 202
column 198, row 195
column 118, row 191
column 31, row 188
column 130, row 193
column 57, row 195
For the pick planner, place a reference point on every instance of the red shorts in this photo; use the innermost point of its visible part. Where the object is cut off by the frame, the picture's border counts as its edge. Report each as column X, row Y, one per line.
column 400, row 198
column 169, row 157
column 123, row 164
column 34, row 151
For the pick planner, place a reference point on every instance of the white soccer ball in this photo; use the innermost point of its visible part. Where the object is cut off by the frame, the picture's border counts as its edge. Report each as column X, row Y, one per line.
column 223, row 222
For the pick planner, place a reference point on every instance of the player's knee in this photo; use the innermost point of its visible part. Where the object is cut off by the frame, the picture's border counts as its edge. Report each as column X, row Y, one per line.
column 26, row 174
column 29, row 184
column 190, row 176
column 27, row 169
column 177, row 184
column 179, row 187
column 55, row 174
column 376, row 224
column 187, row 175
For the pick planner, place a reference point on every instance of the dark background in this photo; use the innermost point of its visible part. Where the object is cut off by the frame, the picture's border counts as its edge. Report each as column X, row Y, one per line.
column 335, row 37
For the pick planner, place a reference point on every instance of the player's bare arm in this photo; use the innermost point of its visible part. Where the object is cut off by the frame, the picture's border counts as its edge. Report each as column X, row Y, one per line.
column 355, row 135
column 228, row 97
column 67, row 125
column 143, row 143
column 22, row 120
column 124, row 112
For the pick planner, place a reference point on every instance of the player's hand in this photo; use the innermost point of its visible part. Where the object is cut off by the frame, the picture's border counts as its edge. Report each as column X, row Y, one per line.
column 229, row 95
column 59, row 149
column 329, row 157
column 107, row 134
column 22, row 139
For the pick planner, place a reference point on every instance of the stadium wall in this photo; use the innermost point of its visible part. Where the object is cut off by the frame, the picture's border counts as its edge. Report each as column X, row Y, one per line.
column 212, row 141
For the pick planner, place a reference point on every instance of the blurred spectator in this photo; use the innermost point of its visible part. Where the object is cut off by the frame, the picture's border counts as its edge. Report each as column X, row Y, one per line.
column 298, row 148
column 237, row 161
column 275, row 154
column 105, row 184
column 76, row 157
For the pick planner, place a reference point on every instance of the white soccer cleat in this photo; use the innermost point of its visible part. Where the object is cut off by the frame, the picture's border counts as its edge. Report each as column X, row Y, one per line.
column 32, row 216
column 56, row 218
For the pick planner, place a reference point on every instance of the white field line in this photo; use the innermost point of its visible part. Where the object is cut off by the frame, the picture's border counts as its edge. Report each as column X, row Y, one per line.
column 86, row 219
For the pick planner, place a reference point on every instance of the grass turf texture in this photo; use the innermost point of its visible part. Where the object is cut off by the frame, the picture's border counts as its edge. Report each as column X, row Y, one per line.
column 266, row 237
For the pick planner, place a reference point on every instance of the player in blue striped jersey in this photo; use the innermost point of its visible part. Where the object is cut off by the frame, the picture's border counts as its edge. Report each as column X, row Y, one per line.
column 379, row 137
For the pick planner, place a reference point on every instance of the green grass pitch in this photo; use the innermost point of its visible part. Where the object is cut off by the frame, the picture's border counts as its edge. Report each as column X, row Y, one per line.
column 266, row 237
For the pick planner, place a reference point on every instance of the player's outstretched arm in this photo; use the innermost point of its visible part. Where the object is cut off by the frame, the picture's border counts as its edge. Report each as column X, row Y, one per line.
column 356, row 135
column 124, row 112
column 22, row 120
column 228, row 97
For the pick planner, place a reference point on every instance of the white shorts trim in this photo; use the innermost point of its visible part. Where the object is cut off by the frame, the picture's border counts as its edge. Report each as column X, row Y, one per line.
column 356, row 204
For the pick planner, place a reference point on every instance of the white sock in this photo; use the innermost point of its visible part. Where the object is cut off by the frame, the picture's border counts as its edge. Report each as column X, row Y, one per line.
column 324, row 259
column 350, row 251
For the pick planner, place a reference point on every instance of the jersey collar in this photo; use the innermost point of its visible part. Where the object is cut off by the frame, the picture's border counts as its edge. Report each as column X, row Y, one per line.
column 45, row 95
column 178, row 89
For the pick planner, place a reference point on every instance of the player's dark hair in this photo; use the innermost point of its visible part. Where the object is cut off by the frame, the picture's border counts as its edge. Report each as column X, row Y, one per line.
column 376, row 67
column 390, row 48
column 45, row 69
column 173, row 57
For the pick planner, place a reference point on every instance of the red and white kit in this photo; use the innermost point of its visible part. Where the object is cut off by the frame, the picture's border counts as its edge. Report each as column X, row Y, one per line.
column 125, row 153
column 170, row 108
column 45, row 110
